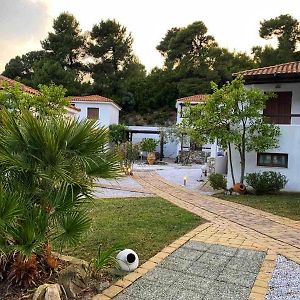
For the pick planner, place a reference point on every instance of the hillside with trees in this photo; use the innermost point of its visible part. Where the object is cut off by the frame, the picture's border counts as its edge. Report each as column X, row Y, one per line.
column 102, row 62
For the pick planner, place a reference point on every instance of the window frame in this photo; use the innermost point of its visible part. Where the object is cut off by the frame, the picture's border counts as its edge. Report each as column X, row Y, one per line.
column 272, row 165
column 92, row 108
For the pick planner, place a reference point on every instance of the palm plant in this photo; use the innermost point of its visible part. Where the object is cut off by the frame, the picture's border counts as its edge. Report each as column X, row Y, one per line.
column 47, row 168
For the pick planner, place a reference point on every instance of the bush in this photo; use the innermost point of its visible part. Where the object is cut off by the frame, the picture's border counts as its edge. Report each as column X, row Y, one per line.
column 149, row 145
column 217, row 181
column 266, row 182
column 117, row 133
column 128, row 154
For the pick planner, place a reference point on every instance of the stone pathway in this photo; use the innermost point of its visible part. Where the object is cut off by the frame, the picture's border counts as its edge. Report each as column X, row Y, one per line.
column 281, row 234
column 233, row 256
column 199, row 270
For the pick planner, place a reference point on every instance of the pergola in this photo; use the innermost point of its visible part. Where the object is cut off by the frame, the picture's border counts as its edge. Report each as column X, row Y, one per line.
column 130, row 133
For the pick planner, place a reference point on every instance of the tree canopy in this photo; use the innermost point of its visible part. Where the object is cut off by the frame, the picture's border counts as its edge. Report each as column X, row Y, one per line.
column 114, row 63
column 50, row 100
column 102, row 61
column 286, row 30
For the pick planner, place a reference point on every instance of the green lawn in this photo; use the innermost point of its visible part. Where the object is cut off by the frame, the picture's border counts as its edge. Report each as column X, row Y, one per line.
column 145, row 225
column 282, row 204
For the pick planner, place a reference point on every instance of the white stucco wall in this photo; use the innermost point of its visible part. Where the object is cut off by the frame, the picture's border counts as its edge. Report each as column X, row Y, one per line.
column 285, row 87
column 170, row 148
column 289, row 142
column 108, row 112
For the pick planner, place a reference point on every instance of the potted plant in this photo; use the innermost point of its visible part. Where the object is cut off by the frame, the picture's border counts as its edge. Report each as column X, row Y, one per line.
column 149, row 146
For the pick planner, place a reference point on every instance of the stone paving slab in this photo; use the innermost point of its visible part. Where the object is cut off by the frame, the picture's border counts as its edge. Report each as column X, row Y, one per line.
column 202, row 275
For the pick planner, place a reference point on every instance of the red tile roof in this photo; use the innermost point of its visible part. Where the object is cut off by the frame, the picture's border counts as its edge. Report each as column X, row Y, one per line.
column 194, row 98
column 287, row 68
column 23, row 87
column 74, row 107
column 93, row 98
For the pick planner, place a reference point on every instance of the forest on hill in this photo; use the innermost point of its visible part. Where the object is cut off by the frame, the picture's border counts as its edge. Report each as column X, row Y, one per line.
column 102, row 62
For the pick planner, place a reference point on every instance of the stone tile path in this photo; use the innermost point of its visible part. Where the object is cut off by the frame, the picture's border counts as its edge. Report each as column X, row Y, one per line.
column 278, row 233
column 200, row 270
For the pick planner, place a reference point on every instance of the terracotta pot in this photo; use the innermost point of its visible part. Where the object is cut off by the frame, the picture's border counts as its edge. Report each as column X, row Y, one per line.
column 239, row 188
column 151, row 158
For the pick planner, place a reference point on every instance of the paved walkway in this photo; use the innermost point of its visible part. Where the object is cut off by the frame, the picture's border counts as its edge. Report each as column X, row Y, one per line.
column 232, row 257
column 198, row 271
column 278, row 233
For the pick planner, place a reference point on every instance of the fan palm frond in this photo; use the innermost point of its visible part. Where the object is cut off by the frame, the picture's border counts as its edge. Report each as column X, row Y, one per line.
column 73, row 225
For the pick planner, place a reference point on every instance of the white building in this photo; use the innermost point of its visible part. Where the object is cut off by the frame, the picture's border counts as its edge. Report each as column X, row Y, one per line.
column 105, row 110
column 284, row 80
column 186, row 144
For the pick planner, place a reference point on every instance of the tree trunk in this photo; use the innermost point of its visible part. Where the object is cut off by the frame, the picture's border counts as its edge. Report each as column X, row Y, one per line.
column 161, row 152
column 243, row 163
column 243, row 154
column 181, row 149
column 230, row 163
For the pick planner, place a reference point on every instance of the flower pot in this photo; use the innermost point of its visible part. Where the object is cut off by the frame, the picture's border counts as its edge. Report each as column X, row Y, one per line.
column 239, row 188
column 151, row 158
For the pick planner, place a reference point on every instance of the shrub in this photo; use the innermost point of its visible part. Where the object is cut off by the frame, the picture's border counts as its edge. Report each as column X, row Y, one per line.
column 217, row 181
column 128, row 154
column 105, row 258
column 117, row 133
column 266, row 182
column 149, row 145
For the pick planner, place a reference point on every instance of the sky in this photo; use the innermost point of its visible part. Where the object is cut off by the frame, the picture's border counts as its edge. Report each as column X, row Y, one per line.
column 233, row 23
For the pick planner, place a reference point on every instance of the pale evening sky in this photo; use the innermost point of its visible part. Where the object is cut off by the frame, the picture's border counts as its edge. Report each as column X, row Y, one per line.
column 233, row 23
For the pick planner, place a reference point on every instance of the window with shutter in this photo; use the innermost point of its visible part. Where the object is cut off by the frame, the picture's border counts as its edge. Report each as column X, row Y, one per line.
column 278, row 109
column 93, row 113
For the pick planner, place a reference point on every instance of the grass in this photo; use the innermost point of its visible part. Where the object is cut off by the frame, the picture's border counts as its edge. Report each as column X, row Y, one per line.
column 145, row 225
column 282, row 204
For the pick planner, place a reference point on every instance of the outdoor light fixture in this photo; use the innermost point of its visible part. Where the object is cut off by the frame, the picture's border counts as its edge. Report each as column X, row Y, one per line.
column 129, row 171
column 128, row 260
column 141, row 153
column 184, row 180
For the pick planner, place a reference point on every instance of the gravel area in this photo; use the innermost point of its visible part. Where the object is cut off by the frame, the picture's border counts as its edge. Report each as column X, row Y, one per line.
column 171, row 172
column 127, row 181
column 111, row 193
column 192, row 174
column 285, row 282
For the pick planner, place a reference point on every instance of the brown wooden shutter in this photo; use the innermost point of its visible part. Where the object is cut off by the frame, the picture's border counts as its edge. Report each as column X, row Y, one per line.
column 93, row 113
column 278, row 110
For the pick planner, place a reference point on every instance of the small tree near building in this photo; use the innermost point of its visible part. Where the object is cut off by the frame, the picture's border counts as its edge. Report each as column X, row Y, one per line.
column 233, row 116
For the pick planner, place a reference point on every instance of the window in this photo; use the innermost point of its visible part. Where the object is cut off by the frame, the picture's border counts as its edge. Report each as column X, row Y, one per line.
column 278, row 109
column 272, row 159
column 93, row 113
